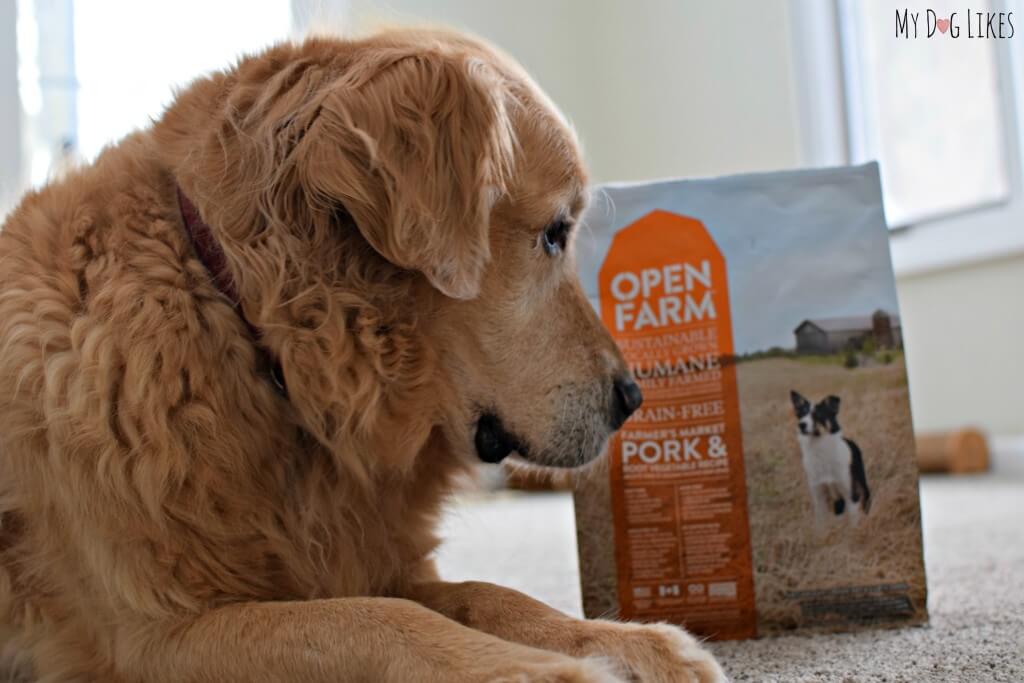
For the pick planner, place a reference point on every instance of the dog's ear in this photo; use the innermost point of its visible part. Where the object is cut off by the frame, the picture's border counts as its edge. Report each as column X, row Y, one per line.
column 417, row 147
column 833, row 404
column 799, row 402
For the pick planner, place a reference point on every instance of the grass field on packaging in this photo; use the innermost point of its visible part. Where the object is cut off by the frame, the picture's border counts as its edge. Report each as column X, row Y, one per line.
column 789, row 552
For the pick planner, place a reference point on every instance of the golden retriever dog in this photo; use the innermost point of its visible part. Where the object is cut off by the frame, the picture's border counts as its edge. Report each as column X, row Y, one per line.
column 245, row 353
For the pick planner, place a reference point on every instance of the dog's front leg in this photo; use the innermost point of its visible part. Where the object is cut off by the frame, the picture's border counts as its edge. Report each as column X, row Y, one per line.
column 346, row 639
column 655, row 653
column 820, row 503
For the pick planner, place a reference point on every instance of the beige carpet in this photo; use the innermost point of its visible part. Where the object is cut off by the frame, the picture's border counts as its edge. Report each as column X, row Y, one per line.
column 974, row 550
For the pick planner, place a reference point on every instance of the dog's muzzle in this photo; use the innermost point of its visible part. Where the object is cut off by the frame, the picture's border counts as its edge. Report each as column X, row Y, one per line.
column 493, row 442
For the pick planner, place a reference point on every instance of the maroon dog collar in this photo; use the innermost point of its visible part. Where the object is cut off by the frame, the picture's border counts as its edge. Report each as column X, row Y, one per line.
column 211, row 255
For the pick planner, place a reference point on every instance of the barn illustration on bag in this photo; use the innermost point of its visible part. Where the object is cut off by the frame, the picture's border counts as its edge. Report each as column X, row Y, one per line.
column 832, row 335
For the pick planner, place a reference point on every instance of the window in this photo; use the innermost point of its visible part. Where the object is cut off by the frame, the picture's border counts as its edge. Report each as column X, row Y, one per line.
column 929, row 109
column 81, row 91
column 940, row 114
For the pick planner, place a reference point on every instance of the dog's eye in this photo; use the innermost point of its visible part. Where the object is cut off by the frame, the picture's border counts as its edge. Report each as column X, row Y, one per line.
column 555, row 236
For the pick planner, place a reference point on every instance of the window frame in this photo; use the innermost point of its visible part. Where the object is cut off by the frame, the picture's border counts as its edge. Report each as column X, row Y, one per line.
column 12, row 161
column 826, row 86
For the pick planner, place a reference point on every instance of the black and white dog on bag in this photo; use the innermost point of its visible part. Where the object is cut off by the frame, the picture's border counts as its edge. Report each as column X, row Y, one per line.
column 833, row 464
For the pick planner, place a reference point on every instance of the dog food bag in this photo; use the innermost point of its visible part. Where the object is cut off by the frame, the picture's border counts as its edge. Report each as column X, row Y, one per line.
column 768, row 482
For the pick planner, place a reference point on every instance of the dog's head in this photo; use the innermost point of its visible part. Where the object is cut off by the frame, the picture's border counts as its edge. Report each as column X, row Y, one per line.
column 421, row 211
column 823, row 417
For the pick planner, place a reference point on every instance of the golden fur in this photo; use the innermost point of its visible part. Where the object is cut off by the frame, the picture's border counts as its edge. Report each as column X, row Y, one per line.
column 166, row 516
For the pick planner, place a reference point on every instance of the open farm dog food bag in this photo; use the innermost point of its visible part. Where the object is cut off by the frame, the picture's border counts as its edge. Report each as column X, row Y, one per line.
column 768, row 482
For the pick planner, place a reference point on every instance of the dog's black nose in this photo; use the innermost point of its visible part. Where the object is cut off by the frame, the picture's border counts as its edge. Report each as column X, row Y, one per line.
column 626, row 398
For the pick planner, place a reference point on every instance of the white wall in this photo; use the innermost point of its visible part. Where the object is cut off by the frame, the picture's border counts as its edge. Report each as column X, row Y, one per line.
column 655, row 88
column 689, row 88
column 964, row 331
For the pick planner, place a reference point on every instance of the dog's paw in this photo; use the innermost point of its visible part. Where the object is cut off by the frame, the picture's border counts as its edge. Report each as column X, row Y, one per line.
column 656, row 653
column 567, row 670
